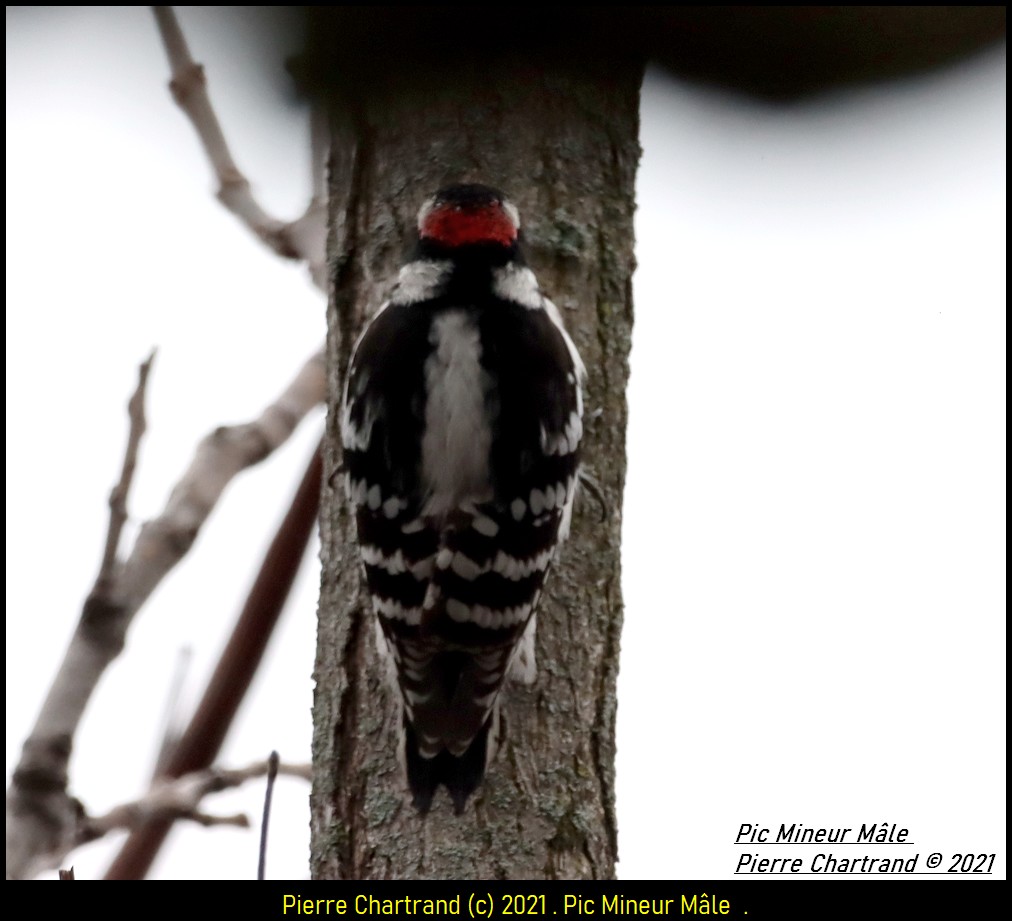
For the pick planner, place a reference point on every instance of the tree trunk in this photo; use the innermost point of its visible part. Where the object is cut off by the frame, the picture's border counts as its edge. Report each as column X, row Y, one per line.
column 560, row 139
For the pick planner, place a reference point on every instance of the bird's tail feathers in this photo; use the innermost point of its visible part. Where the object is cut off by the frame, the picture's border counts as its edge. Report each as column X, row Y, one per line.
column 461, row 774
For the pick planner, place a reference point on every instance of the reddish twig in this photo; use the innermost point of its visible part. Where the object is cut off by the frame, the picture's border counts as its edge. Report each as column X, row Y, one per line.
column 202, row 739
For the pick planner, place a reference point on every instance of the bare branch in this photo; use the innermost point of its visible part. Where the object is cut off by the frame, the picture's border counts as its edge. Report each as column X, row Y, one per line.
column 303, row 239
column 41, row 816
column 180, row 798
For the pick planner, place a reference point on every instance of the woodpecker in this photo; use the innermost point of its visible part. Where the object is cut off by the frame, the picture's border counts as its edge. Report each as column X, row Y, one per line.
column 461, row 425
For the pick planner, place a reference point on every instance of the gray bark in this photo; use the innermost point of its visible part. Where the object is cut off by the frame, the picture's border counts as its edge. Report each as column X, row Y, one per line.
column 562, row 143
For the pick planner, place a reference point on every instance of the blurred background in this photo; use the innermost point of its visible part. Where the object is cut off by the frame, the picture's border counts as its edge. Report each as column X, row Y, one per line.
column 814, row 524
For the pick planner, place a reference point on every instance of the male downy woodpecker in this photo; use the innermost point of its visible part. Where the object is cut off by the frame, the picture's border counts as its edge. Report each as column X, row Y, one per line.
column 461, row 426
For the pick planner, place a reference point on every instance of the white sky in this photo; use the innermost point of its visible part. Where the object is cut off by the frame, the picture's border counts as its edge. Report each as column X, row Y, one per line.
column 814, row 544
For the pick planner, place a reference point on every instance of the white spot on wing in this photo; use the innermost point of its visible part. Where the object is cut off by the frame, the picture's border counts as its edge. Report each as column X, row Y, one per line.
column 537, row 501
column 357, row 491
column 512, row 568
column 566, row 442
column 518, row 508
column 393, row 564
column 396, row 611
column 356, row 438
column 485, row 526
column 466, row 568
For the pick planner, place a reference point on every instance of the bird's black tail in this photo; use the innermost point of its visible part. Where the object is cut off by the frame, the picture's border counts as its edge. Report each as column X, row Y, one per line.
column 461, row 774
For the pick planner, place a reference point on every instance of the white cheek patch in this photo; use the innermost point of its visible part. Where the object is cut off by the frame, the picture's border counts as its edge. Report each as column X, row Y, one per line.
column 517, row 283
column 420, row 281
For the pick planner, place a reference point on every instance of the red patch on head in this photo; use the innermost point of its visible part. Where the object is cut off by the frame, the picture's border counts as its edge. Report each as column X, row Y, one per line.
column 456, row 225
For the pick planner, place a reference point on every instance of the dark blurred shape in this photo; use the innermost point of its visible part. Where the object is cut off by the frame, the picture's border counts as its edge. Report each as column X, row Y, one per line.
column 774, row 52
column 784, row 52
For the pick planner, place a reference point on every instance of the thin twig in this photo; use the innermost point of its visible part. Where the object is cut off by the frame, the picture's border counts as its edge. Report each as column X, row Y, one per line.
column 272, row 773
column 181, row 798
column 120, row 492
column 303, row 239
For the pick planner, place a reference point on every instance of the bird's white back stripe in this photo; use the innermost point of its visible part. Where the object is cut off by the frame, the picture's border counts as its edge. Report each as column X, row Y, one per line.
column 457, row 440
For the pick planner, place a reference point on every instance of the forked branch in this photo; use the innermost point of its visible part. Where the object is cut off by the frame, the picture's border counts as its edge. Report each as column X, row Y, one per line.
column 303, row 239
